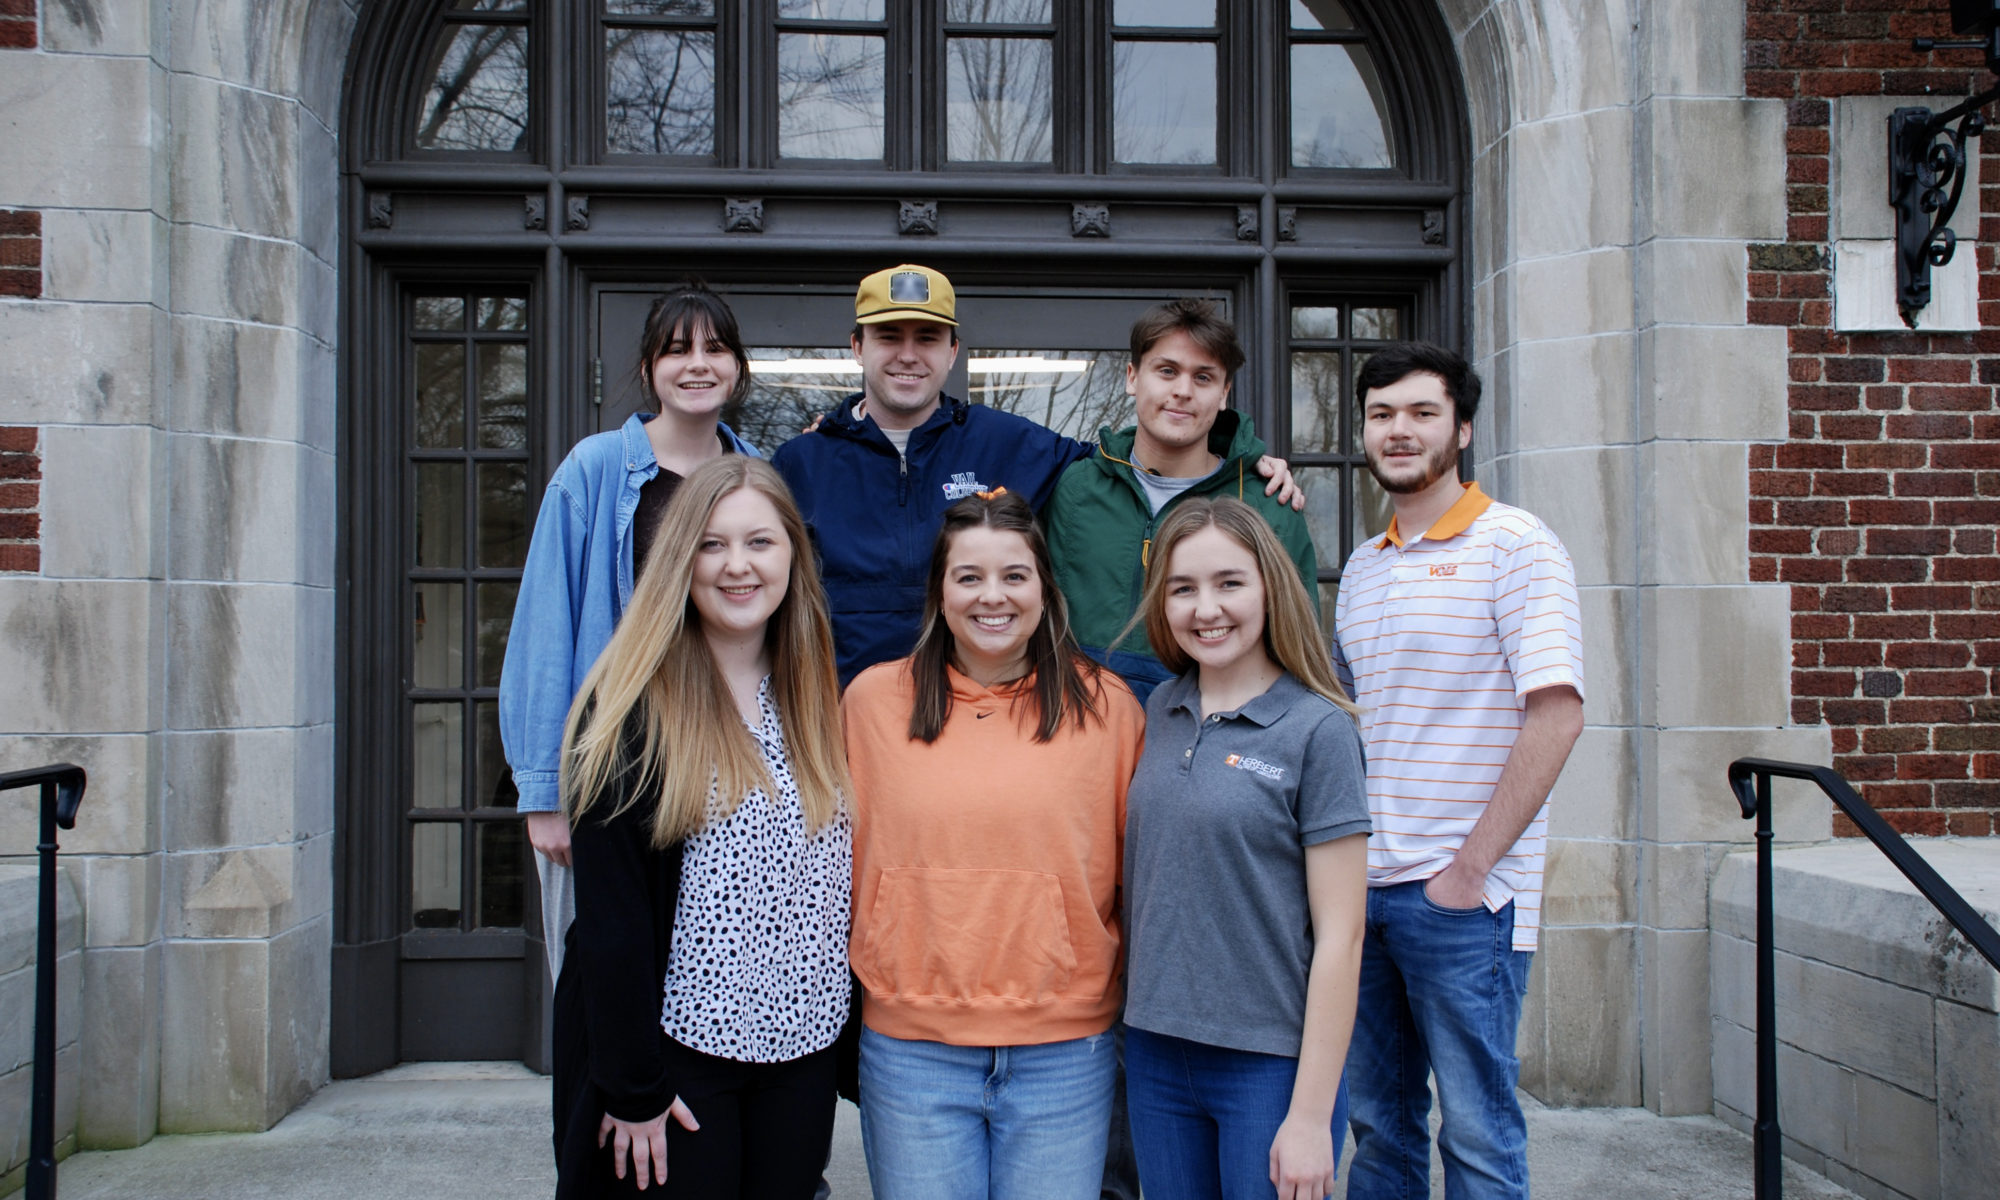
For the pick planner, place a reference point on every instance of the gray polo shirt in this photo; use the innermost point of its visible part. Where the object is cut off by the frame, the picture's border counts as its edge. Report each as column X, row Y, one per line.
column 1218, row 818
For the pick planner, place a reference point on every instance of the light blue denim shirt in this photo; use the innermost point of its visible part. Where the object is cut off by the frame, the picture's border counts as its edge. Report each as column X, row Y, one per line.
column 574, row 587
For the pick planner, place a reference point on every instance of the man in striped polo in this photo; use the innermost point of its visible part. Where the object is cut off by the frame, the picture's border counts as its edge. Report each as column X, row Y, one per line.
column 1457, row 633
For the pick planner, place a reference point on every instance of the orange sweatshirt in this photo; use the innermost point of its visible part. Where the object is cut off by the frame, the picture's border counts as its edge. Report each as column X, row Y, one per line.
column 986, row 863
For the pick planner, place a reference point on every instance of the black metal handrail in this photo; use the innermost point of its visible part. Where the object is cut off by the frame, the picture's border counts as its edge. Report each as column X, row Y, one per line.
column 1750, row 780
column 62, row 791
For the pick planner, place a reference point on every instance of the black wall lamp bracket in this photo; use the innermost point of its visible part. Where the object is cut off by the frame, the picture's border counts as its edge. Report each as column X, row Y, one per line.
column 1927, row 169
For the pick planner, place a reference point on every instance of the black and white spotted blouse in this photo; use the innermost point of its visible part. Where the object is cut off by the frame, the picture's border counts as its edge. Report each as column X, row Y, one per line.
column 758, row 970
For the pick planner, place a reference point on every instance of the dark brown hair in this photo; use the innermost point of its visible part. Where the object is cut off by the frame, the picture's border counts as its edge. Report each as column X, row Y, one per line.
column 1066, row 683
column 1399, row 360
column 684, row 312
column 1200, row 321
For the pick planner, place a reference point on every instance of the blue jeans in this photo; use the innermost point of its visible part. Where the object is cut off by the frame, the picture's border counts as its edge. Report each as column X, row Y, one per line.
column 1204, row 1117
column 1001, row 1122
column 1441, row 992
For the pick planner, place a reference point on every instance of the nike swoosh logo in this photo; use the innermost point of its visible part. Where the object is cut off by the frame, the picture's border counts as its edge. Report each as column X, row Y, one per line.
column 980, row 716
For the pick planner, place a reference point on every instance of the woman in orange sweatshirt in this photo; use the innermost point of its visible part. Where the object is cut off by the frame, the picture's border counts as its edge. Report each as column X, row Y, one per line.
column 990, row 770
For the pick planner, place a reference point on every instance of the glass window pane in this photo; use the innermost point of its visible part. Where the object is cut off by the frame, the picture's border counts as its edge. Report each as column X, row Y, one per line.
column 1163, row 102
column 1329, row 592
column 440, row 514
column 1178, row 13
column 789, row 386
column 503, row 514
column 1372, row 508
column 434, row 872
column 478, row 93
column 503, row 314
column 830, row 10
column 503, row 864
column 998, row 99
column 1074, row 392
column 441, row 312
column 1377, row 323
column 830, row 96
column 1315, row 322
column 490, row 5
column 660, row 8
column 1320, row 14
column 441, row 396
column 503, row 395
column 493, row 781
column 1322, row 488
column 439, row 636
column 1340, row 118
column 437, row 752
column 496, row 618
column 998, row 12
column 1316, row 396
column 1352, row 445
column 659, row 91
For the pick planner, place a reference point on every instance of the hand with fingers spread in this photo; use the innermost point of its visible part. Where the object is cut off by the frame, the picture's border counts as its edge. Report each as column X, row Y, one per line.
column 645, row 1142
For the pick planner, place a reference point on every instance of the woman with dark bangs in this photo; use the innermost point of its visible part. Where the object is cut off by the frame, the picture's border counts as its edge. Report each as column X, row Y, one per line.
column 589, row 548
column 990, row 770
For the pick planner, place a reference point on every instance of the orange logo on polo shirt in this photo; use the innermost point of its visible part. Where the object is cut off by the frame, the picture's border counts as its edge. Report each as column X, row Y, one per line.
column 1255, row 765
column 1444, row 569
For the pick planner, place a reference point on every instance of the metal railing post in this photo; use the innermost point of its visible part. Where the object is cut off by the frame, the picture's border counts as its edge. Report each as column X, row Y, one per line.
column 62, row 790
column 1769, row 1147
column 1750, row 783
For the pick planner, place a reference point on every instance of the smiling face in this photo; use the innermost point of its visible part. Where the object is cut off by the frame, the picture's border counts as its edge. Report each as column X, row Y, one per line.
column 1215, row 599
column 1411, row 434
column 742, row 566
column 992, row 602
column 695, row 373
column 1178, row 388
column 903, row 369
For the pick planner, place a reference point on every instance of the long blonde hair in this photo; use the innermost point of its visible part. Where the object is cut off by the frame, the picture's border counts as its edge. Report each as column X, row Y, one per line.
column 1292, row 636
column 657, row 684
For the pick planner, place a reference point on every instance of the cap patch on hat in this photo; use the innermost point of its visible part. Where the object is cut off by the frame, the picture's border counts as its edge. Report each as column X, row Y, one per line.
column 909, row 287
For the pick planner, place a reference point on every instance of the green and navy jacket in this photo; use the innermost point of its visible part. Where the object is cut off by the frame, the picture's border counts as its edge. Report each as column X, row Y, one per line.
column 1101, row 530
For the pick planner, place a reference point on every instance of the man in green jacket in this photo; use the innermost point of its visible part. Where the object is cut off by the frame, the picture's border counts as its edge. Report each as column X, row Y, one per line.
column 1187, row 442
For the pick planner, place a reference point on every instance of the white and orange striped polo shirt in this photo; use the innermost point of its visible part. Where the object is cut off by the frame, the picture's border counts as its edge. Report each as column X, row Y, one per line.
column 1440, row 641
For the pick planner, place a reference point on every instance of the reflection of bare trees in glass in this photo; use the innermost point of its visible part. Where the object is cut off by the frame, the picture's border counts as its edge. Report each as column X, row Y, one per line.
column 503, row 396
column 830, row 96
column 440, row 395
column 1316, row 398
column 1075, row 404
column 777, row 407
column 659, row 93
column 1163, row 102
column 999, row 97
column 478, row 95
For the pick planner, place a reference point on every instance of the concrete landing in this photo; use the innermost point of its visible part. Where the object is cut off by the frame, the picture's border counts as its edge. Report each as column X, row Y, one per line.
column 478, row 1131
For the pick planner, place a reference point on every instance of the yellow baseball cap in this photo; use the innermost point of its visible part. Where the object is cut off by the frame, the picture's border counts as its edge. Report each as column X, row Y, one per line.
column 905, row 293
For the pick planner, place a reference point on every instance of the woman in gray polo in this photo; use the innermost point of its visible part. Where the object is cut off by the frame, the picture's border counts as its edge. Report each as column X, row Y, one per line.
column 1245, row 874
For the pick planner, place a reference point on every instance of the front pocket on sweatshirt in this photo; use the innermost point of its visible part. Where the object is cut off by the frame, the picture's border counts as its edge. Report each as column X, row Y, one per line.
column 967, row 934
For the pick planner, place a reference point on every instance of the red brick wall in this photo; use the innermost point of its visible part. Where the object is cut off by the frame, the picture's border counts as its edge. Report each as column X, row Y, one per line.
column 17, row 25
column 20, row 499
column 20, row 249
column 1880, row 509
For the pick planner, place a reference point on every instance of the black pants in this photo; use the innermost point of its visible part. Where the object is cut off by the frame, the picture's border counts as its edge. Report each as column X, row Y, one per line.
column 765, row 1130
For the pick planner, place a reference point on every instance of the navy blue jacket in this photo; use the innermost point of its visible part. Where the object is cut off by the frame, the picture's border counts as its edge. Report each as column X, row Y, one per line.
column 874, row 515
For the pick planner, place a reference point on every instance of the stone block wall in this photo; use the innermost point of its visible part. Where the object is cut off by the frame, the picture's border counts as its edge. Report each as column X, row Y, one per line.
column 20, row 499
column 1888, row 1022
column 173, row 633
column 1878, row 510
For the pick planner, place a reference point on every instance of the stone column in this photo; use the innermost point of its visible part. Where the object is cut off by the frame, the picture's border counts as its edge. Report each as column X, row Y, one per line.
column 1711, row 651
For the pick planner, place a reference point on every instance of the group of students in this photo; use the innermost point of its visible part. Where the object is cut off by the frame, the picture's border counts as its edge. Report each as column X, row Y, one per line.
column 844, row 762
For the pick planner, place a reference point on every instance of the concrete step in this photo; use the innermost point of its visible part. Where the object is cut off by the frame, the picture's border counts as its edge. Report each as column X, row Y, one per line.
column 475, row 1131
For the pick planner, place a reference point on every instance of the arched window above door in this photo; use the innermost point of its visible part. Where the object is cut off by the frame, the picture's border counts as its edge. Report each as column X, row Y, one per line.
column 1081, row 87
